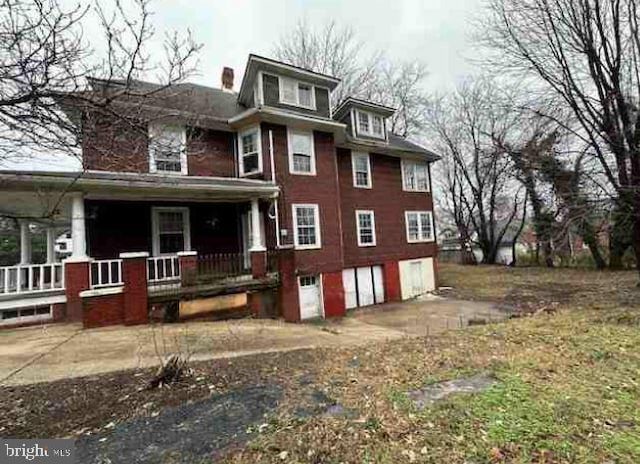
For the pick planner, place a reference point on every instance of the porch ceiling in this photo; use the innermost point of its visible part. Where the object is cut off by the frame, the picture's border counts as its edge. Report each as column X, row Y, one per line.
column 37, row 192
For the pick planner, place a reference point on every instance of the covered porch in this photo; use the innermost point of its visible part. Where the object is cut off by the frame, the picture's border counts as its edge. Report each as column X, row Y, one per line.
column 213, row 228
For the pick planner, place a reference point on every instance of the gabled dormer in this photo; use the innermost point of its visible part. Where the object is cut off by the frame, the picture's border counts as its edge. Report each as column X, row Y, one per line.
column 270, row 83
column 365, row 120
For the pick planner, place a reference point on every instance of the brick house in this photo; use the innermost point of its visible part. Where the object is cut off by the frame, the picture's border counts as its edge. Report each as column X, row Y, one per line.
column 266, row 199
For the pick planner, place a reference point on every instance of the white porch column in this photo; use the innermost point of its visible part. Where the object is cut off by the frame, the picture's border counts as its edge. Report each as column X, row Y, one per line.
column 51, row 245
column 78, row 233
column 25, row 243
column 257, row 243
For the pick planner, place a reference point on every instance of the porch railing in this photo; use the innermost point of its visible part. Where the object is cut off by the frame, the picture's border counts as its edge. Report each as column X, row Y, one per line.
column 30, row 278
column 161, row 269
column 216, row 266
column 106, row 273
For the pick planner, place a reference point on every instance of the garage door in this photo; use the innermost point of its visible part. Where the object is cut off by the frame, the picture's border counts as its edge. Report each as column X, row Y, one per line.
column 363, row 286
column 416, row 277
column 310, row 299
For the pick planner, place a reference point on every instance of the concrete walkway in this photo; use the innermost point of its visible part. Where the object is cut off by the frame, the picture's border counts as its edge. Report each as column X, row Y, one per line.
column 47, row 353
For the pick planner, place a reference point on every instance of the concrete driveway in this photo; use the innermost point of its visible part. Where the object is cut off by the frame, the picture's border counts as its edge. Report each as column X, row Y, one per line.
column 47, row 353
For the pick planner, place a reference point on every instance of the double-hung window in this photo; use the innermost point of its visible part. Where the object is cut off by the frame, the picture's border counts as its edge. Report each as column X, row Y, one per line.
column 302, row 159
column 366, row 228
column 419, row 226
column 306, row 224
column 170, row 230
column 167, row 149
column 296, row 93
column 361, row 166
column 249, row 151
column 415, row 176
column 370, row 124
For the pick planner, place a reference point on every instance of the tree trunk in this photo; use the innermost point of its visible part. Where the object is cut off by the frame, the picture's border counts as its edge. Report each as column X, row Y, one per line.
column 591, row 240
column 621, row 235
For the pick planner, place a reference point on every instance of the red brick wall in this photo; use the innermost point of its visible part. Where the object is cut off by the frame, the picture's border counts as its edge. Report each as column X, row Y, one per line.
column 210, row 153
column 333, row 294
column 100, row 311
column 114, row 146
column 135, row 299
column 76, row 279
column 321, row 189
column 389, row 202
column 392, row 289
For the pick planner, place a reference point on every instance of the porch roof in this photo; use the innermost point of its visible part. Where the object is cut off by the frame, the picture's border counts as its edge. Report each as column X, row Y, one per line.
column 35, row 194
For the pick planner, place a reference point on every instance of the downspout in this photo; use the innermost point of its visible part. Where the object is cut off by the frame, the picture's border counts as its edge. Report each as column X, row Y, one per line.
column 273, row 180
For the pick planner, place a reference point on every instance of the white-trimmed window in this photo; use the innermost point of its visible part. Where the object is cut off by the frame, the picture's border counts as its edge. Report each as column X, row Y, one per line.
column 415, row 176
column 302, row 157
column 306, row 225
column 171, row 230
column 296, row 93
column 361, row 166
column 370, row 124
column 167, row 149
column 250, row 151
column 419, row 226
column 366, row 228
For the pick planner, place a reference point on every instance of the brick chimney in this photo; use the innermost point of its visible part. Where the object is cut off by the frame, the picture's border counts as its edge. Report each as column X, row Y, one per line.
column 227, row 79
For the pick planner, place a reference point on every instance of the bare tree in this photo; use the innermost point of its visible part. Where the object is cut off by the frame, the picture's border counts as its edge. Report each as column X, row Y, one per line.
column 336, row 50
column 479, row 178
column 47, row 61
column 585, row 53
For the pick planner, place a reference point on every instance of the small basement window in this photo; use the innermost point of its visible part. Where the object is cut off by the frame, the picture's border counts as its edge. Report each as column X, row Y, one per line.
column 25, row 315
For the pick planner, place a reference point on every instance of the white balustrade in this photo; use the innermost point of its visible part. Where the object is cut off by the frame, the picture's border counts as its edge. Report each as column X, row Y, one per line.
column 31, row 278
column 163, row 269
column 106, row 273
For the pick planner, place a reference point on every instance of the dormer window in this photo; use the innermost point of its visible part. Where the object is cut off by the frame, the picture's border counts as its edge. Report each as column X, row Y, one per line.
column 167, row 149
column 370, row 124
column 296, row 93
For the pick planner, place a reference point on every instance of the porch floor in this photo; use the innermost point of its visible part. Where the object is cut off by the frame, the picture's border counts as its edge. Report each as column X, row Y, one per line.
column 47, row 353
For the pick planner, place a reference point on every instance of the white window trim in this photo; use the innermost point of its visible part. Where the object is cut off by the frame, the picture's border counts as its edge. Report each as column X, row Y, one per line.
column 155, row 227
column 292, row 170
column 316, row 212
column 156, row 129
column 373, row 227
column 255, row 128
column 354, row 155
column 297, row 103
column 404, row 183
column 406, row 226
column 370, row 132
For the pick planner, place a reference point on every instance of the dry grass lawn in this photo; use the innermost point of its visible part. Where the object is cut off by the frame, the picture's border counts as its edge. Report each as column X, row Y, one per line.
column 568, row 391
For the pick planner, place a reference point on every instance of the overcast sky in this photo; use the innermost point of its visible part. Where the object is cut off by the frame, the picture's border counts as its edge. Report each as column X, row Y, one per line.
column 435, row 32
column 432, row 31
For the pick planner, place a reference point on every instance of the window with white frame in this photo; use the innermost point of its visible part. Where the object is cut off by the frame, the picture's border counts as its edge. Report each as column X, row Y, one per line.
column 366, row 228
column 302, row 159
column 361, row 165
column 415, row 176
column 249, row 151
column 306, row 223
column 370, row 124
column 419, row 226
column 293, row 92
column 171, row 231
column 167, row 149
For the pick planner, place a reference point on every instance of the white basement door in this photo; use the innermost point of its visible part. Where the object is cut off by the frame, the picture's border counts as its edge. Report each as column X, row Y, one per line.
column 310, row 300
column 363, row 286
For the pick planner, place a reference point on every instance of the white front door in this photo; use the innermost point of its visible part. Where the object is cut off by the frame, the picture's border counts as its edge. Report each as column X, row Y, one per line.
column 310, row 300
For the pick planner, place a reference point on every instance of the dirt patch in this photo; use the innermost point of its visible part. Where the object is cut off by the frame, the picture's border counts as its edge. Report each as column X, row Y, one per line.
column 87, row 405
column 431, row 393
column 191, row 432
